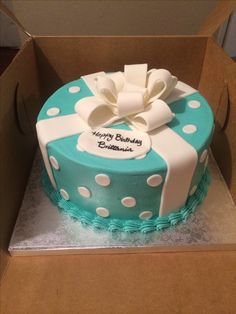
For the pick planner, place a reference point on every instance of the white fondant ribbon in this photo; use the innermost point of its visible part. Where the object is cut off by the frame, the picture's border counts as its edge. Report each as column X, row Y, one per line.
column 136, row 95
column 49, row 130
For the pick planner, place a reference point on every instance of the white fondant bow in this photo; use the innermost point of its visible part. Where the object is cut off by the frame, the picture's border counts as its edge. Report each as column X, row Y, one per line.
column 136, row 95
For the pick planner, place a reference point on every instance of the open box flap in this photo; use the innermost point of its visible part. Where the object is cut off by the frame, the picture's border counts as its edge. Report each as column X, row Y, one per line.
column 217, row 17
column 220, row 71
column 9, row 14
column 20, row 101
column 211, row 24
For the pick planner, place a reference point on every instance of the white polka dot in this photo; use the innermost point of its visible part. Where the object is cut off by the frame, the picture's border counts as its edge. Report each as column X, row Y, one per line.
column 203, row 155
column 102, row 179
column 154, row 180
column 64, row 194
column 103, row 212
column 189, row 128
column 74, row 89
column 194, row 104
column 79, row 148
column 141, row 156
column 54, row 162
column 83, row 191
column 53, row 111
column 193, row 190
column 128, row 201
column 147, row 214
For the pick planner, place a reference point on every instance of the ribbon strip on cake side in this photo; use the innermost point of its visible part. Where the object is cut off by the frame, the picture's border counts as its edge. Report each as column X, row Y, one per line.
column 141, row 98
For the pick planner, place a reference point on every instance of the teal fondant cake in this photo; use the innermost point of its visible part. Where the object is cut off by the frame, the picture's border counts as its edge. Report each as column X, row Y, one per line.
column 126, row 151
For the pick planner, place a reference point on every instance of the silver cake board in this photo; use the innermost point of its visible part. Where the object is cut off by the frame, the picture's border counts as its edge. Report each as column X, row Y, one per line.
column 41, row 229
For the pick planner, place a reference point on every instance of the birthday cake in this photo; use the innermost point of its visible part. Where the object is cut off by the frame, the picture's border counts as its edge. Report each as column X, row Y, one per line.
column 126, row 151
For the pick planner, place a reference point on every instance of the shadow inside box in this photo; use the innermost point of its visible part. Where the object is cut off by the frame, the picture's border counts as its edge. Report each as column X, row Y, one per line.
column 221, row 144
column 6, row 56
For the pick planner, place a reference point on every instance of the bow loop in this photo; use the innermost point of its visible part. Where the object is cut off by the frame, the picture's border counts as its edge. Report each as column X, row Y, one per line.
column 95, row 111
column 160, row 84
column 156, row 115
column 129, row 103
column 129, row 87
column 106, row 89
column 118, row 79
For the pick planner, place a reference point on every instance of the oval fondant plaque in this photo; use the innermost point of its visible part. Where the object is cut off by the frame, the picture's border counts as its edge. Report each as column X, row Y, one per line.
column 114, row 143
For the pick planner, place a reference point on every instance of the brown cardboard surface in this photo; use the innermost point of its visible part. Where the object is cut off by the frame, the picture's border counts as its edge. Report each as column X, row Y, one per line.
column 218, row 85
column 6, row 56
column 19, row 99
column 8, row 13
column 163, row 283
column 217, row 17
column 57, row 56
column 150, row 283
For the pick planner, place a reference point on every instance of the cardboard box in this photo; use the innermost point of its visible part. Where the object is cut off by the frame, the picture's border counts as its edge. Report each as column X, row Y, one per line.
column 188, row 282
